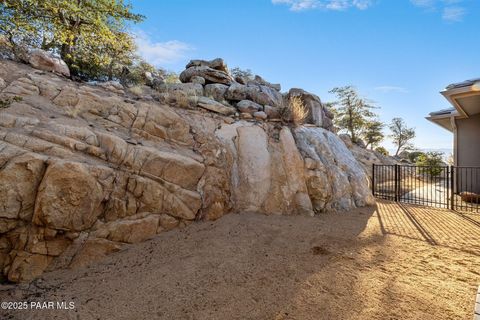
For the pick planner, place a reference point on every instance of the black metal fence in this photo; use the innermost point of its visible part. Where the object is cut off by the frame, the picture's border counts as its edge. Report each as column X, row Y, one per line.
column 451, row 187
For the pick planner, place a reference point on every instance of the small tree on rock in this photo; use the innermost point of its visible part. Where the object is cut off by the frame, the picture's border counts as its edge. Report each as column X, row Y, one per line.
column 372, row 134
column 243, row 73
column 401, row 135
column 352, row 113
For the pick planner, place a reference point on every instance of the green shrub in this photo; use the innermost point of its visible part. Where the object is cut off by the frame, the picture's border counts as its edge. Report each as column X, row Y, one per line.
column 382, row 150
column 431, row 162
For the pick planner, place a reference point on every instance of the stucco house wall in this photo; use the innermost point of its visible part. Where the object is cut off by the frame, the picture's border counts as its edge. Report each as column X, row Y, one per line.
column 468, row 141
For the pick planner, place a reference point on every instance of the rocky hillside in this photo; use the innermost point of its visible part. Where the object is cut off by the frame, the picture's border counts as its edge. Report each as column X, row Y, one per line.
column 86, row 168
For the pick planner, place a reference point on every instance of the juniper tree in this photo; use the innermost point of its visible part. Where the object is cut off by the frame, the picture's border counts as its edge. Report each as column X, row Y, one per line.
column 352, row 113
column 372, row 134
column 401, row 135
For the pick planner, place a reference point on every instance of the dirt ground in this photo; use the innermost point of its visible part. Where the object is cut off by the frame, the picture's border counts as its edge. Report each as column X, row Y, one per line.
column 389, row 262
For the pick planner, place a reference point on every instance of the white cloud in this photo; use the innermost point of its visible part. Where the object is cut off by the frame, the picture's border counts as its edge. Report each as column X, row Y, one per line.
column 423, row 3
column 452, row 11
column 453, row 14
column 337, row 5
column 160, row 53
column 388, row 89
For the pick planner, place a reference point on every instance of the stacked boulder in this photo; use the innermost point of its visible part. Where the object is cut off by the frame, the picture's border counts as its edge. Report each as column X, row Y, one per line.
column 247, row 98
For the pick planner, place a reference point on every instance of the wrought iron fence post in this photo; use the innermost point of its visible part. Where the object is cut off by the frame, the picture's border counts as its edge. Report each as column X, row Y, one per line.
column 452, row 183
column 397, row 182
column 373, row 179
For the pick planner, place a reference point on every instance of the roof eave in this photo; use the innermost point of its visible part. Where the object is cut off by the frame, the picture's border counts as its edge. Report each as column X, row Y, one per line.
column 457, row 92
column 434, row 119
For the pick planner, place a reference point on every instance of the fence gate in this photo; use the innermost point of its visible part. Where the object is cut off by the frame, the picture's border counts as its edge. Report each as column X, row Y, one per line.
column 456, row 188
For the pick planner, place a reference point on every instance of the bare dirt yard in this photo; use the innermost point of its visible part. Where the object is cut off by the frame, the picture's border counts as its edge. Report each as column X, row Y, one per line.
column 389, row 262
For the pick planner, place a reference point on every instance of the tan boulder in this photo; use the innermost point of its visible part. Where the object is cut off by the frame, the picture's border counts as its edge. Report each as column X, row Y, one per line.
column 43, row 60
column 212, row 105
column 260, row 115
column 216, row 91
column 272, row 112
column 69, row 198
column 20, row 177
column 217, row 64
column 247, row 106
column 209, row 74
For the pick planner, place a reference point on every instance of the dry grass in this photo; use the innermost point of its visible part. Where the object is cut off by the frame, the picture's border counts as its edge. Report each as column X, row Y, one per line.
column 298, row 111
column 136, row 90
column 72, row 112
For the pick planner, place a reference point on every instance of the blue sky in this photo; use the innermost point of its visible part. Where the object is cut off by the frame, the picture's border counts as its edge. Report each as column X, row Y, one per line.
column 398, row 53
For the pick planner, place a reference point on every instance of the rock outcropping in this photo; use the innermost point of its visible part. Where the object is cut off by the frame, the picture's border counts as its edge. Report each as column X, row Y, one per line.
column 209, row 85
column 85, row 169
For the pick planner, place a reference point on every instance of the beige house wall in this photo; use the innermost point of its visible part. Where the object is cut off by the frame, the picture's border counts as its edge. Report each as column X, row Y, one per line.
column 468, row 153
column 468, row 141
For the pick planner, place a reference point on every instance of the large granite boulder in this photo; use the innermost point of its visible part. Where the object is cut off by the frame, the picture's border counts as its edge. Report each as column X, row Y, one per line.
column 214, row 106
column 209, row 74
column 257, row 93
column 216, row 91
column 339, row 182
column 217, row 64
column 248, row 106
column 43, row 60
column 69, row 198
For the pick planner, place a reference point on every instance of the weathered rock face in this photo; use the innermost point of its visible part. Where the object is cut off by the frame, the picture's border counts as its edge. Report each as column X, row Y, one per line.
column 85, row 169
column 80, row 160
column 337, row 181
column 277, row 173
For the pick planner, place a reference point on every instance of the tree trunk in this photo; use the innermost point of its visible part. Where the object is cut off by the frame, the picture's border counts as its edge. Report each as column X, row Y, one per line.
column 398, row 149
column 350, row 123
